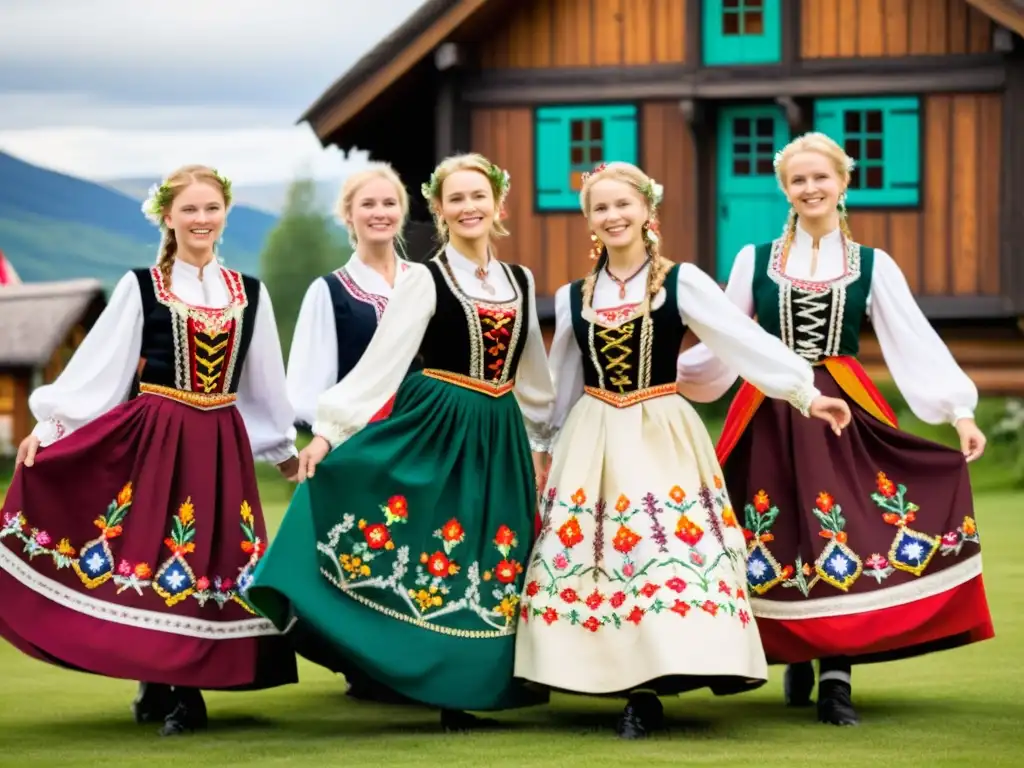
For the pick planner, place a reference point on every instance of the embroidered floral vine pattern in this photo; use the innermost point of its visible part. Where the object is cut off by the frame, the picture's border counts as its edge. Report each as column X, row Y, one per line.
column 631, row 588
column 95, row 563
column 838, row 564
column 434, row 592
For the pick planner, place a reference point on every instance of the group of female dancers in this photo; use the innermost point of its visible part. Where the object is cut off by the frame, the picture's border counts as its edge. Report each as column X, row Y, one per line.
column 479, row 522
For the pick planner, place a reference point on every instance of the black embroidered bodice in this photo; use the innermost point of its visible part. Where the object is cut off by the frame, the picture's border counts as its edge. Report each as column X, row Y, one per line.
column 195, row 349
column 471, row 336
column 625, row 349
column 356, row 316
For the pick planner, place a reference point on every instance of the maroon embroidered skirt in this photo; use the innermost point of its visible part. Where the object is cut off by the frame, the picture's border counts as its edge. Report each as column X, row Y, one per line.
column 863, row 545
column 126, row 549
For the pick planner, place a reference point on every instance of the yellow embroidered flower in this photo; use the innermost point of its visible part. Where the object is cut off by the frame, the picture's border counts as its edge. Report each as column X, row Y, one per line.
column 508, row 608
column 186, row 512
column 124, row 498
column 246, row 512
column 65, row 548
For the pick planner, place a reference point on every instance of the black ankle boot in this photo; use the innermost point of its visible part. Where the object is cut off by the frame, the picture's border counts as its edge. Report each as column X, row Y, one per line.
column 456, row 720
column 188, row 715
column 798, row 684
column 835, row 706
column 642, row 714
column 153, row 702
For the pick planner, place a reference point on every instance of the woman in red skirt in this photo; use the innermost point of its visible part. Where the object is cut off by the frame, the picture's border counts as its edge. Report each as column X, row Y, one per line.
column 127, row 543
column 862, row 549
column 337, row 320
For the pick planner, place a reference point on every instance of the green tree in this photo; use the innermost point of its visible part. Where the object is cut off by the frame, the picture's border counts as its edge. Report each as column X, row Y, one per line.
column 304, row 245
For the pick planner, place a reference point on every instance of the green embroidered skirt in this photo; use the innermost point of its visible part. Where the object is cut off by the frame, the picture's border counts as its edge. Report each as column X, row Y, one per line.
column 403, row 556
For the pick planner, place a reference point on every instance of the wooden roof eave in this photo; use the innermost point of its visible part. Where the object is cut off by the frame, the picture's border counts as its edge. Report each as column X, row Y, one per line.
column 1009, row 13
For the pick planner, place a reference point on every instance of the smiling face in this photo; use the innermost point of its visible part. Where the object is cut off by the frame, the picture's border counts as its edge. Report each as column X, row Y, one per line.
column 812, row 185
column 197, row 215
column 376, row 212
column 467, row 204
column 617, row 212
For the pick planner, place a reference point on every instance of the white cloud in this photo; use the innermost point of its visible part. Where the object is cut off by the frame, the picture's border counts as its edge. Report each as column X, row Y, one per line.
column 113, row 89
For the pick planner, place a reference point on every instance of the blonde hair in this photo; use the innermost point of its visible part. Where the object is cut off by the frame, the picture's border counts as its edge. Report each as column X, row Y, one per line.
column 496, row 177
column 646, row 187
column 842, row 164
column 170, row 189
column 359, row 179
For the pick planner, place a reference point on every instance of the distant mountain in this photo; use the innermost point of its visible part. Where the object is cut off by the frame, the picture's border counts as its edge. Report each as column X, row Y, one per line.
column 263, row 197
column 56, row 227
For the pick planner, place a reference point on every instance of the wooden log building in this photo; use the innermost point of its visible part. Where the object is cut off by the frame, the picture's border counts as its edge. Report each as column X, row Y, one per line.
column 41, row 326
column 928, row 95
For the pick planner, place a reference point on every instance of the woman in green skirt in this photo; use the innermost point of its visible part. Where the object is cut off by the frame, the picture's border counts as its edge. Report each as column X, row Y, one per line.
column 405, row 546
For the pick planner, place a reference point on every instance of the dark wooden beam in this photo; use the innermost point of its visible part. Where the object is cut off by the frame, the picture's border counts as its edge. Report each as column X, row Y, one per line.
column 694, row 34
column 791, row 13
column 965, row 307
column 911, row 74
column 1011, row 184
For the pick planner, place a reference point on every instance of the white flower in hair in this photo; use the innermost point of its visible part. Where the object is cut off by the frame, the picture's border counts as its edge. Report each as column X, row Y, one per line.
column 151, row 206
column 657, row 192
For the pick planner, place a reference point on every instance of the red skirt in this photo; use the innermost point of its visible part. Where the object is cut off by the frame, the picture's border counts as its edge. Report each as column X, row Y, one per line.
column 126, row 549
column 863, row 545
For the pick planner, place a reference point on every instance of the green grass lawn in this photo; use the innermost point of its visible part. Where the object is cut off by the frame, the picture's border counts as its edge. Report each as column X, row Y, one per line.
column 957, row 708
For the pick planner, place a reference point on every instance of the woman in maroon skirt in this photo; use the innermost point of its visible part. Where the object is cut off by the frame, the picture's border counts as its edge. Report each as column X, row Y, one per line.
column 127, row 543
column 862, row 549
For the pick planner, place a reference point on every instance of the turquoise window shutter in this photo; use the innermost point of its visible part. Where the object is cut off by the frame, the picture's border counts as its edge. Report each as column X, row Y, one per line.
column 742, row 31
column 607, row 131
column 902, row 149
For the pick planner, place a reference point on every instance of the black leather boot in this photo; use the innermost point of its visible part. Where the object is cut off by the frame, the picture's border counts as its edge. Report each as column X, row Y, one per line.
column 642, row 714
column 798, row 684
column 188, row 715
column 453, row 720
column 835, row 705
column 153, row 702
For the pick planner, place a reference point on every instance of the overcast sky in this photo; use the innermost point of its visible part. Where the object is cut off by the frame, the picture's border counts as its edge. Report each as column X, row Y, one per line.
column 113, row 88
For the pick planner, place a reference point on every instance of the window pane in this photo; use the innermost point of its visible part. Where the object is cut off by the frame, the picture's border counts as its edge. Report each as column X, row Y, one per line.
column 596, row 130
column 874, row 177
column 741, row 127
column 740, row 148
column 853, row 148
column 874, row 121
column 851, row 122
column 730, row 23
column 731, row 4
column 596, row 154
column 874, row 149
column 766, row 128
column 576, row 155
column 753, row 23
column 576, row 130
column 765, row 167
column 753, row 5
column 855, row 178
column 765, row 148
column 741, row 167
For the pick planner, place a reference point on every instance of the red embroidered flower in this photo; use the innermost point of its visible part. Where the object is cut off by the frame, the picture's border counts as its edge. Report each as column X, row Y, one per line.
column 594, row 600
column 505, row 537
column 142, row 571
column 885, row 485
column 761, row 502
column 648, row 589
column 550, row 616
column 524, row 613
column 688, row 531
column 570, row 533
column 507, row 570
column 377, row 536
column 249, row 547
column 438, row 564
column 532, row 588
column 124, row 568
column 617, row 599
column 744, row 617
column 398, row 506
column 622, row 504
column 592, row 624
column 452, row 531
column 636, row 615
column 709, row 607
column 203, row 584
column 625, row 539
column 824, row 502
column 569, row 595
column 951, row 539
column 226, row 585
column 676, row 584
column 787, row 572
column 741, row 593
column 723, row 588
column 579, row 498
column 680, row 607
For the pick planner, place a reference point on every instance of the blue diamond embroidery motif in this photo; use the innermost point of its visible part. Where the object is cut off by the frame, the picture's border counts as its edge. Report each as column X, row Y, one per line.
column 175, row 579
column 95, row 561
column 760, row 570
column 912, row 551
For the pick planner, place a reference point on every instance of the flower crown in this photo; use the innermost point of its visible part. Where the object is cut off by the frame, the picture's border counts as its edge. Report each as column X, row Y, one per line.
column 500, row 180
column 850, row 162
column 161, row 196
column 651, row 190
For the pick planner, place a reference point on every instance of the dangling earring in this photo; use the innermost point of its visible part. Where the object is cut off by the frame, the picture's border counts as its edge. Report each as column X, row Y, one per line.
column 596, row 246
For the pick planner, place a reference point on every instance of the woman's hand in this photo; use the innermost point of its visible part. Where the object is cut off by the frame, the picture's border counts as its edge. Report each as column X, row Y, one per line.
column 972, row 439
column 27, row 451
column 540, row 469
column 832, row 410
column 289, row 469
column 310, row 456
